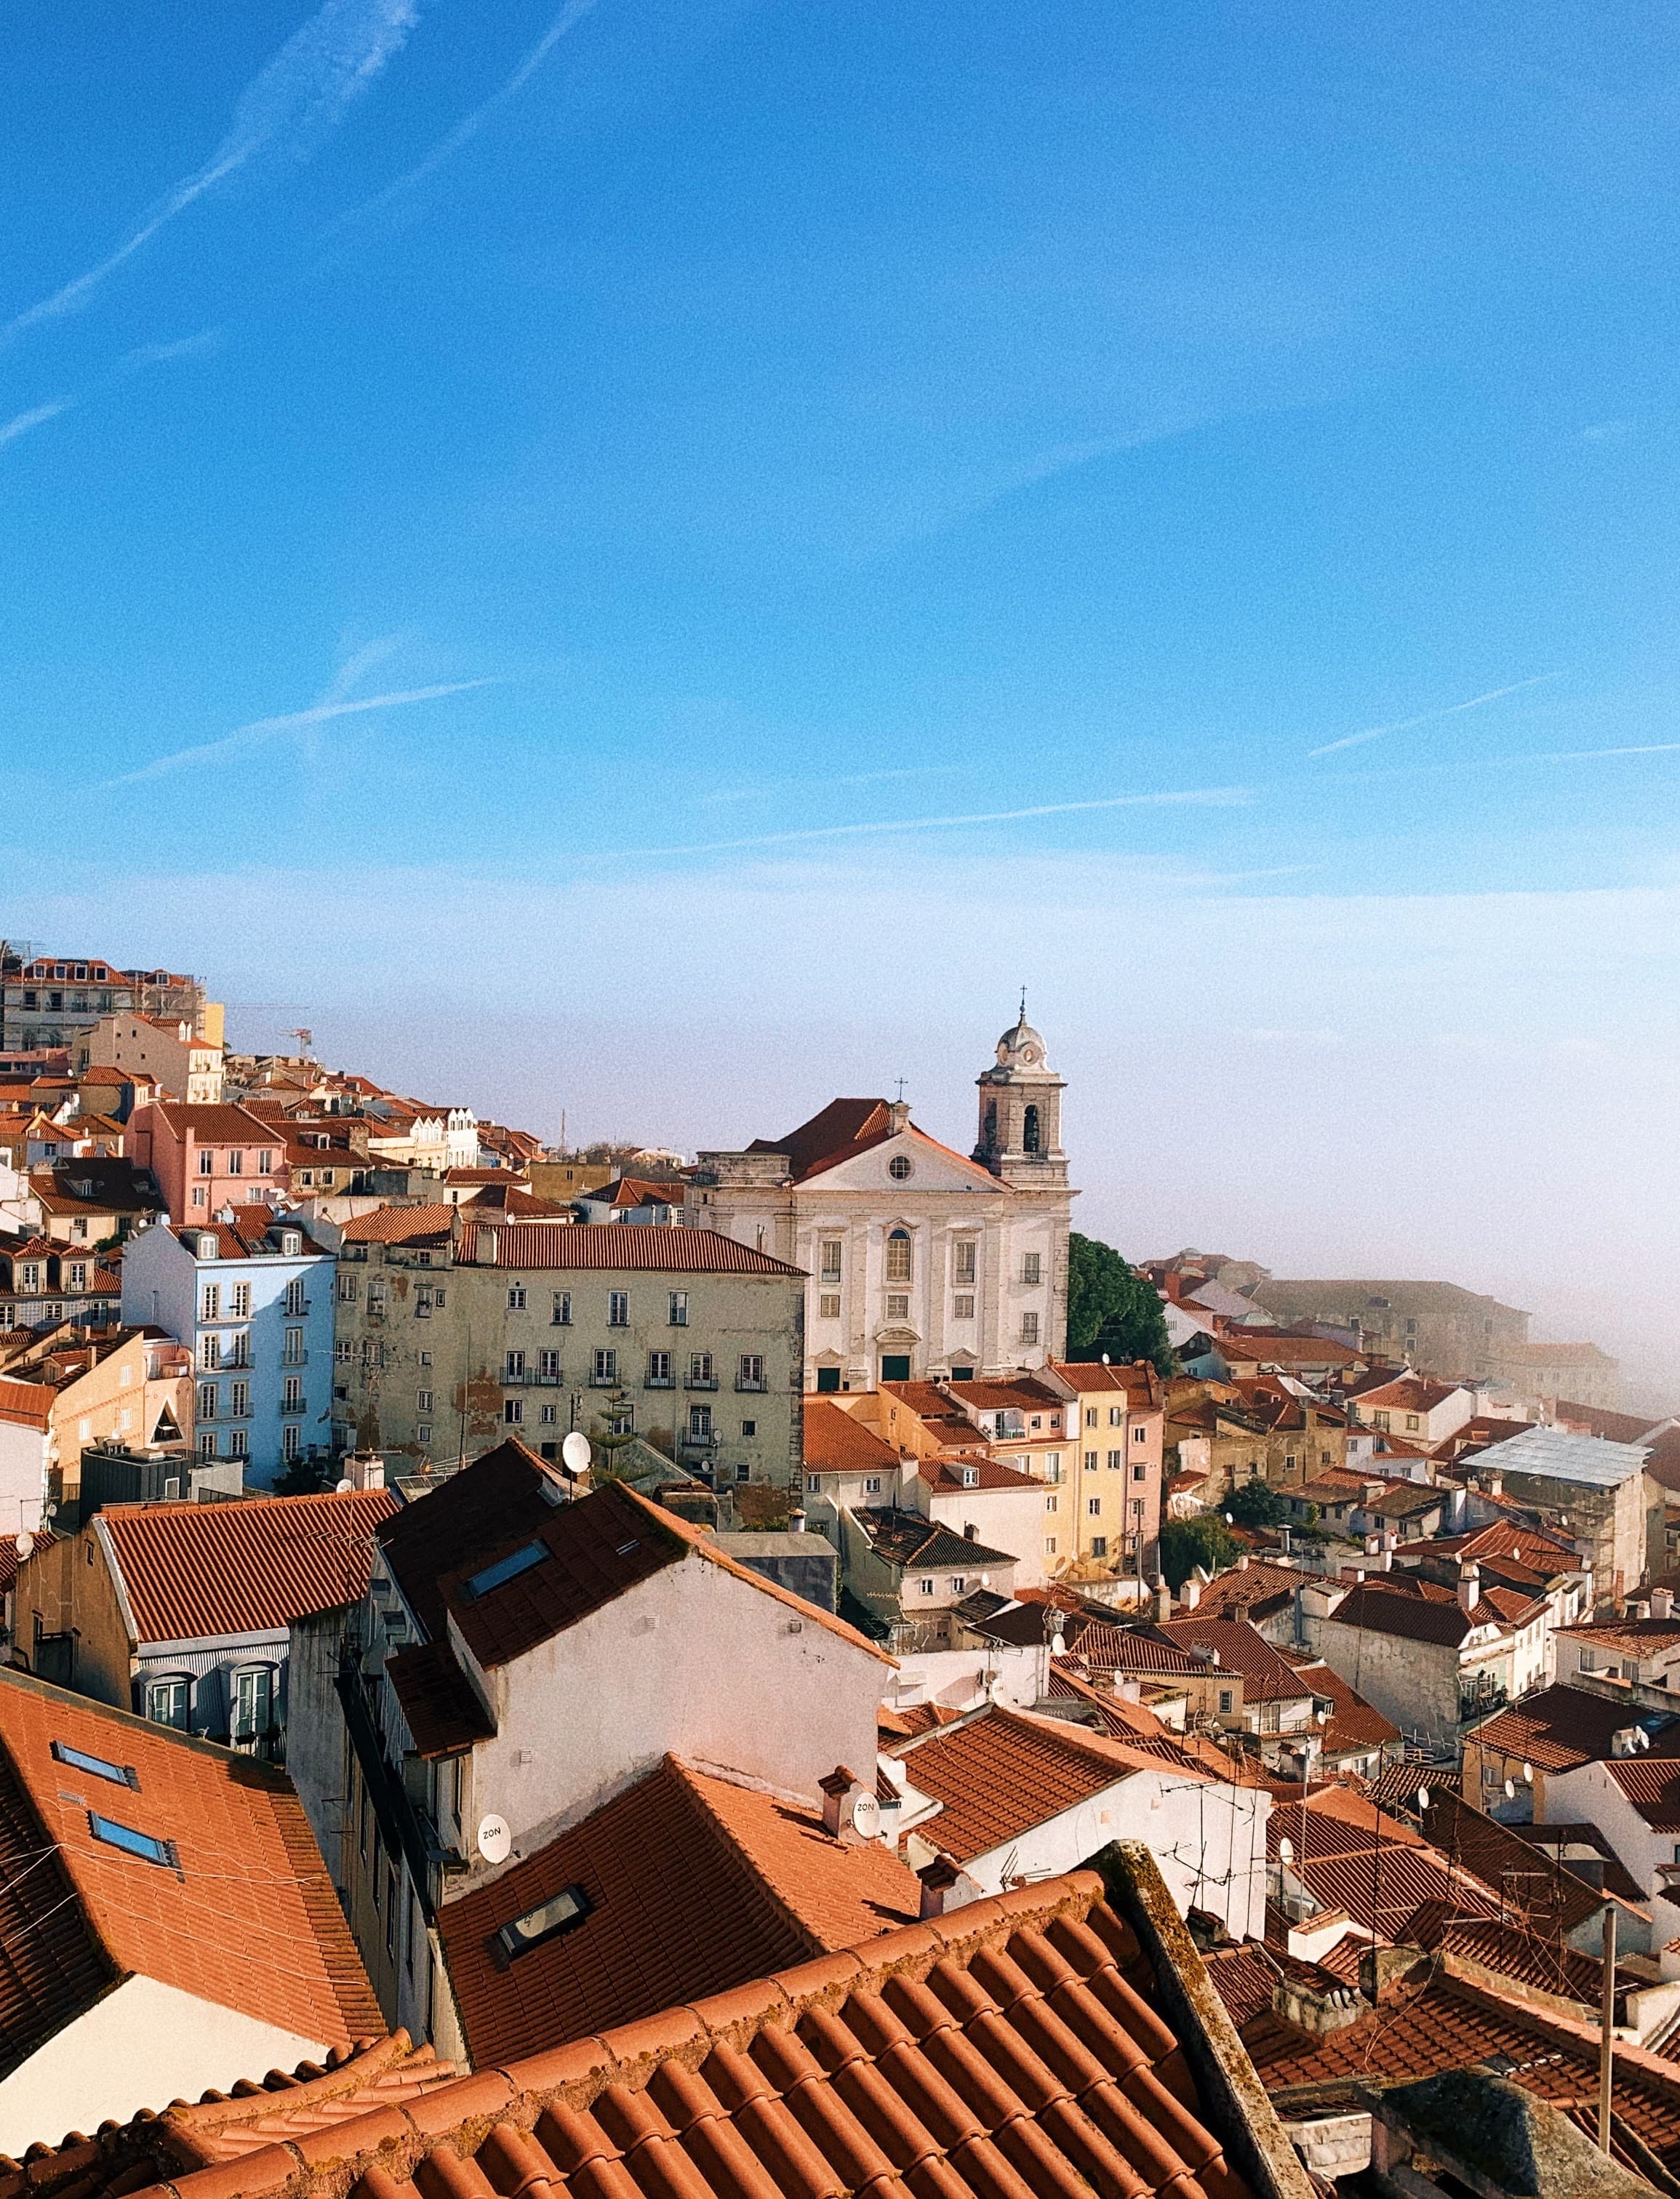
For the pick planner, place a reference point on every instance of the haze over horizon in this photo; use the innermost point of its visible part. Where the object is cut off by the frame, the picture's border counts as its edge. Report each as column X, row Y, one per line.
column 664, row 561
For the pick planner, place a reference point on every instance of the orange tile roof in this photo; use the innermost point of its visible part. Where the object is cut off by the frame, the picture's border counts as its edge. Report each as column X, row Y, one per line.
column 835, row 1443
column 1001, row 1773
column 26, row 1404
column 664, row 1248
column 777, row 1888
column 195, row 1571
column 212, row 1125
column 399, row 1225
column 283, row 2107
column 1000, row 2050
column 248, row 1919
column 1136, row 1378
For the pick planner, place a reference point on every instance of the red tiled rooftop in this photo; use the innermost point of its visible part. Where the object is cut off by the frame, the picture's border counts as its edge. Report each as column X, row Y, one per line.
column 664, row 1248
column 836, row 1442
column 1009, row 2047
column 1001, row 1773
column 192, row 1571
column 695, row 1886
column 399, row 1225
column 248, row 1921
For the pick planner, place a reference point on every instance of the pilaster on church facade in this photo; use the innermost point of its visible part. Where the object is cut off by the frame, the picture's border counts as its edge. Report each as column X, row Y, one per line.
column 922, row 1262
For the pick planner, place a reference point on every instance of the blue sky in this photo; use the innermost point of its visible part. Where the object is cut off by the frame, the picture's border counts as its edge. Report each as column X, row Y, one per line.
column 522, row 527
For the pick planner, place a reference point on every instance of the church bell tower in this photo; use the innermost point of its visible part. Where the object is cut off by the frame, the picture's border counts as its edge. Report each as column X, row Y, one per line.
column 1021, row 1111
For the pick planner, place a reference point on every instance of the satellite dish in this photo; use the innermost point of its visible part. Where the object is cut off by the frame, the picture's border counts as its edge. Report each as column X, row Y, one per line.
column 1285, row 1850
column 1510, row 1790
column 985, row 1580
column 495, row 1841
column 1528, row 1775
column 575, row 1451
column 26, row 1543
column 345, row 1486
column 866, row 1816
column 1423, row 1797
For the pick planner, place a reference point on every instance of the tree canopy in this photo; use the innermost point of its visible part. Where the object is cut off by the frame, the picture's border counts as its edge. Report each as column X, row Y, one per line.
column 1205, row 1540
column 1112, row 1309
column 1255, row 1504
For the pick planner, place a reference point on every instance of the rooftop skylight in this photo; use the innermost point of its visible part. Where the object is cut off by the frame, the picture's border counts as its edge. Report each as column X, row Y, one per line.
column 120, row 1775
column 563, row 1913
column 504, row 1569
column 133, row 1843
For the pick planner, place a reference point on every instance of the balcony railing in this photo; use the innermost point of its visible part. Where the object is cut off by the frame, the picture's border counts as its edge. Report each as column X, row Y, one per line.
column 758, row 1387
column 530, row 1377
column 700, row 1381
column 659, row 1381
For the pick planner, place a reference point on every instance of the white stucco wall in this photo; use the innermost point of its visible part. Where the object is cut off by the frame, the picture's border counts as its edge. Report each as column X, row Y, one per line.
column 1010, row 1520
column 23, row 1477
column 143, row 2044
column 1588, row 1795
column 1208, row 1839
column 695, row 1662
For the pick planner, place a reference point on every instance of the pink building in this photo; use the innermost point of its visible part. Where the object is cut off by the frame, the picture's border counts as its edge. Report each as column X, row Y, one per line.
column 207, row 1158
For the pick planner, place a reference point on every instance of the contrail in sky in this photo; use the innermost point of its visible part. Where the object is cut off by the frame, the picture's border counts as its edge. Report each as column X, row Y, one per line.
column 1429, row 717
column 264, row 729
column 22, row 423
column 293, row 100
column 469, row 125
column 1211, row 797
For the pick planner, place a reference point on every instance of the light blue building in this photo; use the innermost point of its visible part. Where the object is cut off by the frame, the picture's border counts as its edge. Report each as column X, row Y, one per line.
column 251, row 1295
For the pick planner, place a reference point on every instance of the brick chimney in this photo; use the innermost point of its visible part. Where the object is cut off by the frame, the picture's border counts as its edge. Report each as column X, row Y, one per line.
column 937, row 1878
column 835, row 1786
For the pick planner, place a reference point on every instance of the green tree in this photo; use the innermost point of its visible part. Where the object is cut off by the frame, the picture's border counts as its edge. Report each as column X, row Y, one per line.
column 1255, row 1504
column 1205, row 1540
column 1112, row 1309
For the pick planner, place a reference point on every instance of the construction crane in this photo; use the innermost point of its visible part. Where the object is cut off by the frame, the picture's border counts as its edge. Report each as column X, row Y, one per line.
column 305, row 1038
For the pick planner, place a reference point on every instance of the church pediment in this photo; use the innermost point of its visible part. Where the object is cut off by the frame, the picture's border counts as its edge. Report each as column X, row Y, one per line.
column 898, row 1334
column 904, row 1166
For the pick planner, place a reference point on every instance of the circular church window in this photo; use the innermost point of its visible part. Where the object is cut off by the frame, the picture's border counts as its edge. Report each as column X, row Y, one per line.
column 900, row 1168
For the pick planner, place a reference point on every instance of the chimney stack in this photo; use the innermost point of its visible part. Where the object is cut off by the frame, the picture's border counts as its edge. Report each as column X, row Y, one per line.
column 365, row 1470
column 937, row 1878
column 836, row 1787
column 1469, row 1583
column 1163, row 1599
column 1191, row 1593
column 1662, row 1603
column 797, row 1520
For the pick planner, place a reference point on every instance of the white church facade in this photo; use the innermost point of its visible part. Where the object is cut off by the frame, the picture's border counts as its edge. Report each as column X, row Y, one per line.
column 923, row 1263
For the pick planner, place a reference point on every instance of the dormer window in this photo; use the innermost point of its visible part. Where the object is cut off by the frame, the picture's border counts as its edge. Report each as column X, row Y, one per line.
column 207, row 1248
column 291, row 1244
column 970, row 1476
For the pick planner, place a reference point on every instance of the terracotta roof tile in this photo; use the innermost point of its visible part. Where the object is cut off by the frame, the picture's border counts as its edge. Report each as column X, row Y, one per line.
column 26, row 1404
column 1001, row 1773
column 1002, row 2049
column 694, row 1886
column 193, row 1571
column 663, row 1248
column 399, row 1225
column 836, row 1442
column 439, row 1704
column 916, row 1543
column 248, row 1921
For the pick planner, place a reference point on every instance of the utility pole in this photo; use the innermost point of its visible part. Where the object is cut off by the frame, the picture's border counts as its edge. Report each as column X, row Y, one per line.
column 1606, row 2029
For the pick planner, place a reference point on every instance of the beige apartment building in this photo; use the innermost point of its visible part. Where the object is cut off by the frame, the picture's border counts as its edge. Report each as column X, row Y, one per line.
column 163, row 1049
column 452, row 1334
